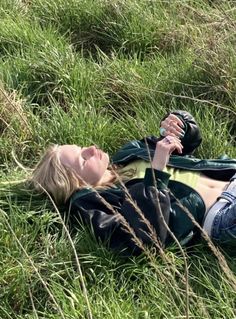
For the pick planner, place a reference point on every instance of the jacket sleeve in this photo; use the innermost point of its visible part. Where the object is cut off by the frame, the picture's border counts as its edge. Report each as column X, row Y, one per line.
column 148, row 212
column 128, row 228
column 192, row 138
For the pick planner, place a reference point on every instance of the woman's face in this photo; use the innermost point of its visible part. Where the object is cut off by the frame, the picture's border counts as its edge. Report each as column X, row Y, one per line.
column 89, row 163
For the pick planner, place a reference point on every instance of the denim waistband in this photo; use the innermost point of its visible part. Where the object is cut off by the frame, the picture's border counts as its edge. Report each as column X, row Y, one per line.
column 226, row 198
column 230, row 193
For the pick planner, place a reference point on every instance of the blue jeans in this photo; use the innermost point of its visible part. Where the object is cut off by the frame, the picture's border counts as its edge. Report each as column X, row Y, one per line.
column 223, row 230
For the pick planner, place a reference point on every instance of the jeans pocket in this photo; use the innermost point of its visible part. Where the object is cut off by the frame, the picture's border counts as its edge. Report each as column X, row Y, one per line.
column 225, row 229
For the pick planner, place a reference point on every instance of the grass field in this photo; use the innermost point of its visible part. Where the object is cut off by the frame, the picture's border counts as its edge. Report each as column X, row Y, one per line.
column 105, row 72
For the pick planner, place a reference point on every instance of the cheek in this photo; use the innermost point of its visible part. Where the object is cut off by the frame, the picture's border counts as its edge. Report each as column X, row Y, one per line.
column 94, row 170
column 91, row 174
column 106, row 160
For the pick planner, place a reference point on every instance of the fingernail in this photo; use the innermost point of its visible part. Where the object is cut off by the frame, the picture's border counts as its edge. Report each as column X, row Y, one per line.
column 181, row 135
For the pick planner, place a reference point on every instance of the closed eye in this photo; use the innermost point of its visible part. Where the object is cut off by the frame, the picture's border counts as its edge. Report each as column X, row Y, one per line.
column 83, row 161
column 82, row 154
column 82, row 158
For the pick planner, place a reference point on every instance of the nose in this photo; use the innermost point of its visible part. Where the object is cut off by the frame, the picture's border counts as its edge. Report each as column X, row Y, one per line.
column 89, row 151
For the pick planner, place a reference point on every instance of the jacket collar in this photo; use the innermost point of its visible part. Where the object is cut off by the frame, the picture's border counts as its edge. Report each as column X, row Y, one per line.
column 138, row 150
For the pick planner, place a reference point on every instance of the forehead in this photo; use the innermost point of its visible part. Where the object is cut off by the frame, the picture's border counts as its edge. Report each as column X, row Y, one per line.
column 69, row 148
column 66, row 152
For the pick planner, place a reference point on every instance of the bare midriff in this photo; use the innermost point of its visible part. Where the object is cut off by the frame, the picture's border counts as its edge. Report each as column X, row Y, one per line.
column 209, row 189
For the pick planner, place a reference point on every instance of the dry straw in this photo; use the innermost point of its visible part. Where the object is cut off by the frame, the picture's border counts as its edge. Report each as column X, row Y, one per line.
column 44, row 283
column 12, row 109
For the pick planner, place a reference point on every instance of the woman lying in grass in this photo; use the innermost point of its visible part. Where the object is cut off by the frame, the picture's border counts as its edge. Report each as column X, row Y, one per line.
column 152, row 193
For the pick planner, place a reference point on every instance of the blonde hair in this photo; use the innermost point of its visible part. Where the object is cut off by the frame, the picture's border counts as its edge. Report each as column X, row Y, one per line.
column 57, row 179
column 60, row 181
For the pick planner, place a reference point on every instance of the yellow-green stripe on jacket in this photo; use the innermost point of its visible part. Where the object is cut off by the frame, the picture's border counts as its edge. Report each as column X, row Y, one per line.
column 137, row 169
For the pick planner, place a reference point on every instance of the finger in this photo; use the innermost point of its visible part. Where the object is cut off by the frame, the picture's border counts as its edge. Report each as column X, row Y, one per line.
column 173, row 143
column 175, row 146
column 172, row 139
column 178, row 147
column 171, row 134
column 175, row 126
column 172, row 127
column 168, row 122
column 179, row 132
column 176, row 119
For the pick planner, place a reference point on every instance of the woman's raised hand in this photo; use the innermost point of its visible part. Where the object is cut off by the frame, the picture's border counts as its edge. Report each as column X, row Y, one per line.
column 172, row 126
column 163, row 150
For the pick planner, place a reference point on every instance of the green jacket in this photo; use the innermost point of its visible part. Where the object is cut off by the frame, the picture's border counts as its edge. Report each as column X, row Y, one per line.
column 161, row 206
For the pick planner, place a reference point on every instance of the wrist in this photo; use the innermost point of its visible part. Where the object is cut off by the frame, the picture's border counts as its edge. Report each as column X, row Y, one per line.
column 158, row 166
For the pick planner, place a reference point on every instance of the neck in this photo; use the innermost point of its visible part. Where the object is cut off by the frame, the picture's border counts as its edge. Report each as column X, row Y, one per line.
column 107, row 178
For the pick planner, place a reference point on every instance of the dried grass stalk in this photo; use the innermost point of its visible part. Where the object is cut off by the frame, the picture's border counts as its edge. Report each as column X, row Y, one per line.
column 12, row 110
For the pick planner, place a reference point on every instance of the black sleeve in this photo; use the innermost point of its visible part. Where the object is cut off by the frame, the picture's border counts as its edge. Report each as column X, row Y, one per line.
column 150, row 214
column 192, row 138
column 124, row 227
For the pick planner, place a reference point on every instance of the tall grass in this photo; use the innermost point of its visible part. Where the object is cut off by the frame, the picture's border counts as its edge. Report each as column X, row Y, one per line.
column 104, row 72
